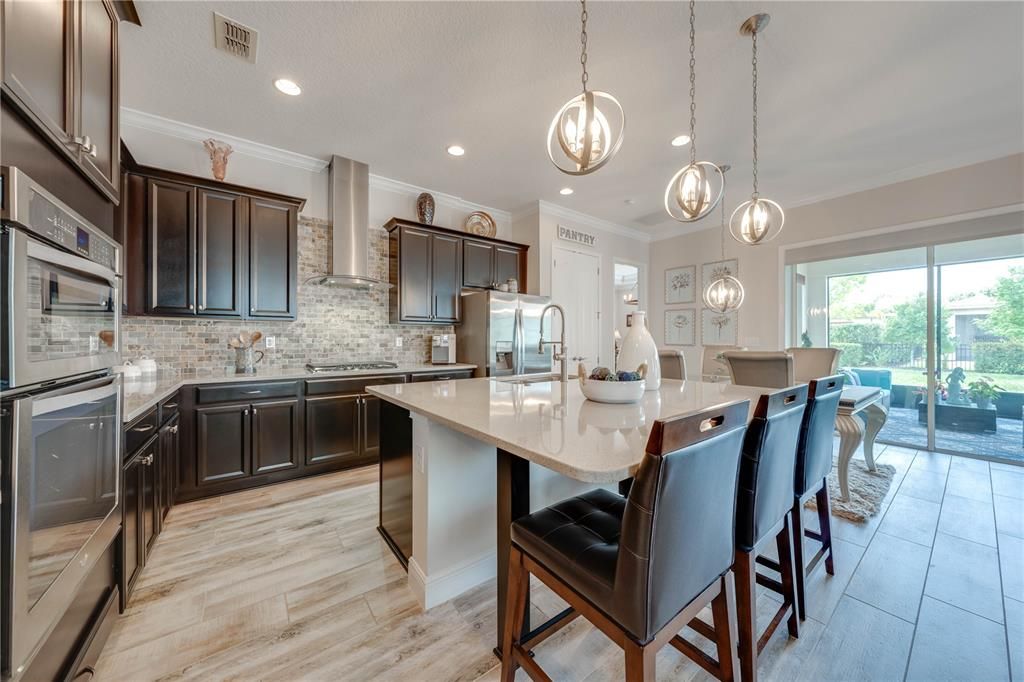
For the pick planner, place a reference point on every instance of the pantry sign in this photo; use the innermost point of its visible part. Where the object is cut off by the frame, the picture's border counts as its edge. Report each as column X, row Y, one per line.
column 568, row 234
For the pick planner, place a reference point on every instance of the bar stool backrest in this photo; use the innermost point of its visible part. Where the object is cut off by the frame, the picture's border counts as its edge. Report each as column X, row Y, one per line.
column 769, row 461
column 678, row 528
column 814, row 453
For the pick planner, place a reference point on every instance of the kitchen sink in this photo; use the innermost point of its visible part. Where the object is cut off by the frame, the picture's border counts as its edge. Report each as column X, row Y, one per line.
column 532, row 378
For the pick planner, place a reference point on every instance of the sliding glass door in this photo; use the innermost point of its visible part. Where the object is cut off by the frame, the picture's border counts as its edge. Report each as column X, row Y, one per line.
column 979, row 347
column 939, row 328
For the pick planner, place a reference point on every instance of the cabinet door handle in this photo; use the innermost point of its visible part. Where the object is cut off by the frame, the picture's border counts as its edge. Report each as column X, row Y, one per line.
column 171, row 406
column 254, row 411
column 202, row 307
column 147, row 460
column 144, row 428
column 173, row 429
column 245, row 412
column 254, row 392
column 191, row 306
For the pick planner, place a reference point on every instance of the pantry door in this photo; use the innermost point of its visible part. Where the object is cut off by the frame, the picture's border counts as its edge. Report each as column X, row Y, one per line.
column 576, row 286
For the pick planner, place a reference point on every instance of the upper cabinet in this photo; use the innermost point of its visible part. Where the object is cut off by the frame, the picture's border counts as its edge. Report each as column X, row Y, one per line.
column 199, row 248
column 428, row 267
column 60, row 70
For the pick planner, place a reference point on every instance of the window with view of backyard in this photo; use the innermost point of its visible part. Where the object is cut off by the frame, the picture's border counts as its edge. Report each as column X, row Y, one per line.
column 880, row 322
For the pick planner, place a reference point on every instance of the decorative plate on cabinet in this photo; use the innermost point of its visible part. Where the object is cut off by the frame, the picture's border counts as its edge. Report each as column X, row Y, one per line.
column 481, row 224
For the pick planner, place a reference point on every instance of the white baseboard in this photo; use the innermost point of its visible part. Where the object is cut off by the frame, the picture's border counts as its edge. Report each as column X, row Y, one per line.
column 437, row 589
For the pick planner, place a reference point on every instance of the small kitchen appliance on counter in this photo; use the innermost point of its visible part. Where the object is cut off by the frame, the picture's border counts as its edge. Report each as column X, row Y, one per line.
column 442, row 349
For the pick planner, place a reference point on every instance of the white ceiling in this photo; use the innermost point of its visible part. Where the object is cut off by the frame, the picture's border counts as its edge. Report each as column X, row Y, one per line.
column 852, row 94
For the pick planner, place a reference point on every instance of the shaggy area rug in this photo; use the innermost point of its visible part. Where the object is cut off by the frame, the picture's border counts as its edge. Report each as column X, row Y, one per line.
column 867, row 490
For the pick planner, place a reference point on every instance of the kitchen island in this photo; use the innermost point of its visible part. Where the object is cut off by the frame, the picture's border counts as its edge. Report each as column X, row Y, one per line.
column 460, row 460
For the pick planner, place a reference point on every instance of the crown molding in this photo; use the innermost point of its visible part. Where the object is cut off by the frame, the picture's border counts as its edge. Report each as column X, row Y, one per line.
column 591, row 221
column 134, row 118
column 440, row 198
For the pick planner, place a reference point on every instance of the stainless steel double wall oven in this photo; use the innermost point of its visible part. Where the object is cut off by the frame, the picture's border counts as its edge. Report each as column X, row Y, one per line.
column 60, row 410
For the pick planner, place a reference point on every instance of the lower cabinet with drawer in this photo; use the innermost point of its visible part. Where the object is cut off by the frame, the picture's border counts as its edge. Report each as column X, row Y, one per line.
column 148, row 487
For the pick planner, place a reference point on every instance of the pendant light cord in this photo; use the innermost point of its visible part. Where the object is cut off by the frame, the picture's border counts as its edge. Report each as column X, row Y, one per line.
column 693, row 86
column 753, row 63
column 723, row 226
column 583, row 44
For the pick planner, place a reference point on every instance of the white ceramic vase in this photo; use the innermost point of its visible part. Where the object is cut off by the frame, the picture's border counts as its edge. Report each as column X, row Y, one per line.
column 639, row 347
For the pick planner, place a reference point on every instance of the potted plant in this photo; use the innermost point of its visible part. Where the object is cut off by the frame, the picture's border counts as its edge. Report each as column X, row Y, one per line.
column 983, row 391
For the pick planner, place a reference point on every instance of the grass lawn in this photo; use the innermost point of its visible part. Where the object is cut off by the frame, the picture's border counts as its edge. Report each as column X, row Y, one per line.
column 917, row 377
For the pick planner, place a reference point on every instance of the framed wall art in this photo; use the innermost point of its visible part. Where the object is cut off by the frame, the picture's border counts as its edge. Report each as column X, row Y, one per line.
column 718, row 329
column 680, row 327
column 710, row 271
column 681, row 284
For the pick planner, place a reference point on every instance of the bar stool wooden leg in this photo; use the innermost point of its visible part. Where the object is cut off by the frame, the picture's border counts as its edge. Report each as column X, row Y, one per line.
column 723, row 610
column 797, row 518
column 746, row 613
column 787, row 567
column 825, row 523
column 518, row 582
column 639, row 662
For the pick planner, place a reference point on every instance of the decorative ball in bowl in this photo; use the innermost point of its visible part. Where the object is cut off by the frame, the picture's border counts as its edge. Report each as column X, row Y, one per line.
column 603, row 385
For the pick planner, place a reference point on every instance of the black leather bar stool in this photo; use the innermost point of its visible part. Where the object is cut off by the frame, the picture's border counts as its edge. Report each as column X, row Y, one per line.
column 764, row 503
column 641, row 567
column 813, row 463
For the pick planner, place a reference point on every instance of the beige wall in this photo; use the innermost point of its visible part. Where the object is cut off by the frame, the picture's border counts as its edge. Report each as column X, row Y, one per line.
column 980, row 187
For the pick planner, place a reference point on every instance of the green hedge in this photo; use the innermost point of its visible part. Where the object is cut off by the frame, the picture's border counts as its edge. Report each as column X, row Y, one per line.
column 999, row 357
column 857, row 332
column 852, row 355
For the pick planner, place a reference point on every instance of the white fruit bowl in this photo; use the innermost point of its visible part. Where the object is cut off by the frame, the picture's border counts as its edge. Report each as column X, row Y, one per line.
column 613, row 391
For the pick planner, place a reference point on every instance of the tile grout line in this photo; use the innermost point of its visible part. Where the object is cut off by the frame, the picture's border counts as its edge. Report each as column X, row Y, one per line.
column 999, row 563
column 931, row 553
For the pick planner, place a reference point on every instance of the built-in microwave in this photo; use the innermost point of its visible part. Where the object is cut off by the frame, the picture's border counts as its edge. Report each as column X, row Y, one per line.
column 61, row 292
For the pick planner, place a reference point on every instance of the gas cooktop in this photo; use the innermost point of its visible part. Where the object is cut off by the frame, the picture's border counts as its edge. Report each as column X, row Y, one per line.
column 346, row 366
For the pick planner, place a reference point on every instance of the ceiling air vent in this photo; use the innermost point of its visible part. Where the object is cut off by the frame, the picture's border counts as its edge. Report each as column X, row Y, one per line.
column 235, row 38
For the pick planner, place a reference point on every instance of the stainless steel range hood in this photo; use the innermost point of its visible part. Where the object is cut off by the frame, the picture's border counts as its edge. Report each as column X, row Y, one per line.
column 349, row 203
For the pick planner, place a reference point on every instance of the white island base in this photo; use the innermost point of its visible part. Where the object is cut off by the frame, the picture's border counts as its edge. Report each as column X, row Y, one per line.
column 454, row 545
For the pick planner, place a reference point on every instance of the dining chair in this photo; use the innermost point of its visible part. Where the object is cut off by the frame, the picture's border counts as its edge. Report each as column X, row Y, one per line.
column 712, row 367
column 640, row 568
column 813, row 464
column 814, row 363
column 764, row 508
column 767, row 369
column 673, row 364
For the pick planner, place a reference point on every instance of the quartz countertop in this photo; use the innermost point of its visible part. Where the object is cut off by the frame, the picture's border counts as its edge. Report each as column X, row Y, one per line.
column 554, row 425
column 142, row 394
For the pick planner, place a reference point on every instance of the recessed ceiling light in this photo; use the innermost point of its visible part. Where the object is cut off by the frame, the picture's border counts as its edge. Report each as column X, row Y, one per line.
column 288, row 87
column 565, row 191
column 456, row 150
column 680, row 140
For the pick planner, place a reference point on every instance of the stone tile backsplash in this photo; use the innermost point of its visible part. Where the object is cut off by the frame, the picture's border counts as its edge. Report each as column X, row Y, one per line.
column 333, row 324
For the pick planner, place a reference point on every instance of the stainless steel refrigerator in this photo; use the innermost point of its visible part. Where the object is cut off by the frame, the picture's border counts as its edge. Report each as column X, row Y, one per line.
column 500, row 334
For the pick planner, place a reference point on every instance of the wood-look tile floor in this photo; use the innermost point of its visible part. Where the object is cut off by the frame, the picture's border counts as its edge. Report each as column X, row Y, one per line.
column 292, row 582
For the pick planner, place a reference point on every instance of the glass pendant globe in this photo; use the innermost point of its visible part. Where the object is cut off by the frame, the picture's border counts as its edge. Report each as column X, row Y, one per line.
column 694, row 191
column 724, row 294
column 580, row 138
column 756, row 221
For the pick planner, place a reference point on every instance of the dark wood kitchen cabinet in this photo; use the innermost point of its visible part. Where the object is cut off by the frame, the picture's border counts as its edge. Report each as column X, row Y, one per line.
column 220, row 262
column 489, row 264
column 172, row 248
column 273, row 261
column 60, row 69
column 276, row 436
column 332, row 429
column 429, row 266
column 196, row 239
column 445, row 285
column 207, row 249
column 222, row 443
column 131, row 524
